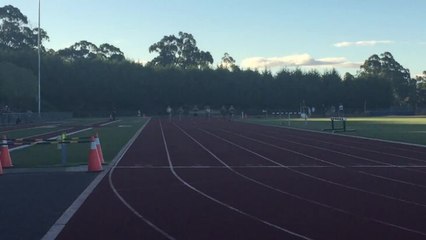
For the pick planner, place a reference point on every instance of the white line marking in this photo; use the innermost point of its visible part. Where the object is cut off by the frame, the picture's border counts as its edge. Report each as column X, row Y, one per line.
column 392, row 179
column 121, row 198
column 357, row 148
column 71, row 210
column 258, row 166
column 312, row 201
column 220, row 202
column 342, row 135
column 337, row 152
column 285, row 149
column 324, row 149
column 334, row 151
column 394, row 166
column 108, row 123
column 318, row 178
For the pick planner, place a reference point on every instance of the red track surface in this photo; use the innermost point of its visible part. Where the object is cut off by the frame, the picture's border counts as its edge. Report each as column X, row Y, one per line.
column 200, row 179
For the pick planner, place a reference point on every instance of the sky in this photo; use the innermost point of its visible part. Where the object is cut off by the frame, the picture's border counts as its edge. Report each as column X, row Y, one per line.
column 258, row 34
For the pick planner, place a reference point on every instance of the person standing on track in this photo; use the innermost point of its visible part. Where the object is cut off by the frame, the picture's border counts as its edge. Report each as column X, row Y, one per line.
column 169, row 112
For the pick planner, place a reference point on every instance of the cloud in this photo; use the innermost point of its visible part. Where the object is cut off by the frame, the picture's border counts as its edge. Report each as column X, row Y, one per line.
column 362, row 43
column 420, row 75
column 299, row 60
column 140, row 61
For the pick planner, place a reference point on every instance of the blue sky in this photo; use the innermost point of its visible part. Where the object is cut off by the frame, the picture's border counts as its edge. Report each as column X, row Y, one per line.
column 309, row 34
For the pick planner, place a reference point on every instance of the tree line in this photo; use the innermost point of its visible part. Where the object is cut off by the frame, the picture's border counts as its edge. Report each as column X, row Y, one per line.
column 89, row 78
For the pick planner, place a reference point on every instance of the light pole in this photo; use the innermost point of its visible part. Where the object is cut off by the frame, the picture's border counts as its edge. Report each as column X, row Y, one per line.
column 38, row 42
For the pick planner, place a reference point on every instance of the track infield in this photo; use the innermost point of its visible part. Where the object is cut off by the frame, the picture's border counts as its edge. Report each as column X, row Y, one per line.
column 217, row 179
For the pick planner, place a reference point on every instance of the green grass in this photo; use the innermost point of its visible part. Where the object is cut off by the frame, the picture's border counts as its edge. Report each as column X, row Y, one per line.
column 402, row 129
column 113, row 137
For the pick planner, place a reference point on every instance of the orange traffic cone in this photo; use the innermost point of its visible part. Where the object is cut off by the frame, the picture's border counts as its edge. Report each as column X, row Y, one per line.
column 99, row 148
column 94, row 164
column 5, row 159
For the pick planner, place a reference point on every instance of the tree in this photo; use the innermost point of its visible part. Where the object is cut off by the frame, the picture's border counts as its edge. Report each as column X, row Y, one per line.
column 421, row 89
column 180, row 51
column 18, row 86
column 111, row 52
column 15, row 32
column 88, row 50
column 167, row 49
column 228, row 62
column 80, row 50
column 387, row 68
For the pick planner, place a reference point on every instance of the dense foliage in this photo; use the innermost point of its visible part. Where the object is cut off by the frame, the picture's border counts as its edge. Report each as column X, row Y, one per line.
column 90, row 78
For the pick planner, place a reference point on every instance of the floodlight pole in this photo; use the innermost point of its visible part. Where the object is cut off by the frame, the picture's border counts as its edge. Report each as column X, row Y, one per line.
column 38, row 42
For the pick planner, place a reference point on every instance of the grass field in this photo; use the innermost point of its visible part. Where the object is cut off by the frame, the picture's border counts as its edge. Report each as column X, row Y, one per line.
column 113, row 137
column 403, row 129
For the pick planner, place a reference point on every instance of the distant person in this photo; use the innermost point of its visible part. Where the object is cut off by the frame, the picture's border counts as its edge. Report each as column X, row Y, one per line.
column 169, row 112
column 340, row 113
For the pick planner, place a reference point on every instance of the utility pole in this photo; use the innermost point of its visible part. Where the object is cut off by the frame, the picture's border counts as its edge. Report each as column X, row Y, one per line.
column 38, row 42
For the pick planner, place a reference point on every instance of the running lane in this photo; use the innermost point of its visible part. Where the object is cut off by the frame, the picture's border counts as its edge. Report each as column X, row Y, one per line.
column 142, row 199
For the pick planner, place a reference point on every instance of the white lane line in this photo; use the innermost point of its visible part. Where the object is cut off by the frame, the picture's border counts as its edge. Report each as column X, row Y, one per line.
column 59, row 225
column 213, row 167
column 309, row 200
column 108, row 123
column 319, row 178
column 261, row 166
column 285, row 149
column 342, row 153
column 128, row 205
column 346, row 136
column 220, row 202
column 354, row 147
column 392, row 179
column 334, row 151
column 382, row 166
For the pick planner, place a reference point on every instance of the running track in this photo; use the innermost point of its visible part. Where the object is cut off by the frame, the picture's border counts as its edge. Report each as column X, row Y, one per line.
column 216, row 179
